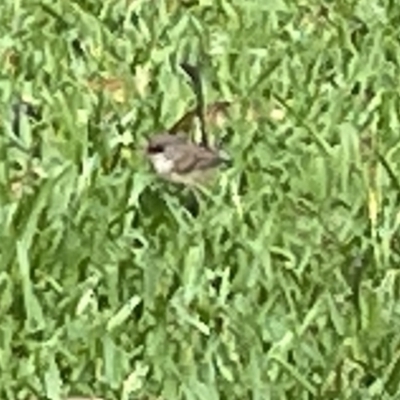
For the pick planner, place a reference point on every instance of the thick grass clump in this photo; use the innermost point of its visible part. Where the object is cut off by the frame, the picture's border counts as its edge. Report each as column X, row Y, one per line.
column 284, row 284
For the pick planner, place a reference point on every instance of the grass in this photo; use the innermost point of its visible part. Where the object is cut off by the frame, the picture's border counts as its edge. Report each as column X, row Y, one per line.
column 286, row 283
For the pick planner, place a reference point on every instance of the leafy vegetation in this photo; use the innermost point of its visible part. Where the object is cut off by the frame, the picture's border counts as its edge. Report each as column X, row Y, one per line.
column 283, row 285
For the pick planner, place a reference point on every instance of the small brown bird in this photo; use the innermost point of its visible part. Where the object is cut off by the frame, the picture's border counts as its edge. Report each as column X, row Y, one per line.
column 177, row 159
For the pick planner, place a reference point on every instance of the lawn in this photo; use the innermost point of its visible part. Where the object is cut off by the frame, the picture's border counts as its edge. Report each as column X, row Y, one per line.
column 284, row 284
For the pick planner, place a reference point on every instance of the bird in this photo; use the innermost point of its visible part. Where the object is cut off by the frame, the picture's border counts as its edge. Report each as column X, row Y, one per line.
column 177, row 159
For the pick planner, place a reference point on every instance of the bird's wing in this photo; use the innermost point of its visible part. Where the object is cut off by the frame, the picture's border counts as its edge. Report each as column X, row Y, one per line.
column 189, row 157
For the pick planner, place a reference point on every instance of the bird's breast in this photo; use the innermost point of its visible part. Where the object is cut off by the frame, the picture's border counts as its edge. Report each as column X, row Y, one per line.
column 162, row 164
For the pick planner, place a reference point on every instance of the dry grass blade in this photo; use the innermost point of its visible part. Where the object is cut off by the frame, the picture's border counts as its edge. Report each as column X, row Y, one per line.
column 215, row 114
column 114, row 86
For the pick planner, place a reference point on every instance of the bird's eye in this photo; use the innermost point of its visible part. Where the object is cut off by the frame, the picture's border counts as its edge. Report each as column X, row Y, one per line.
column 155, row 149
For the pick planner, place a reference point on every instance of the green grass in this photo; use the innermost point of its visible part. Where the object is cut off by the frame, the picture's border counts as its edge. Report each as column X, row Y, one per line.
column 284, row 286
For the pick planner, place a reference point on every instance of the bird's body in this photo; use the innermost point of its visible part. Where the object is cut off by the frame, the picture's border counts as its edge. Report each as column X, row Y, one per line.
column 179, row 160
